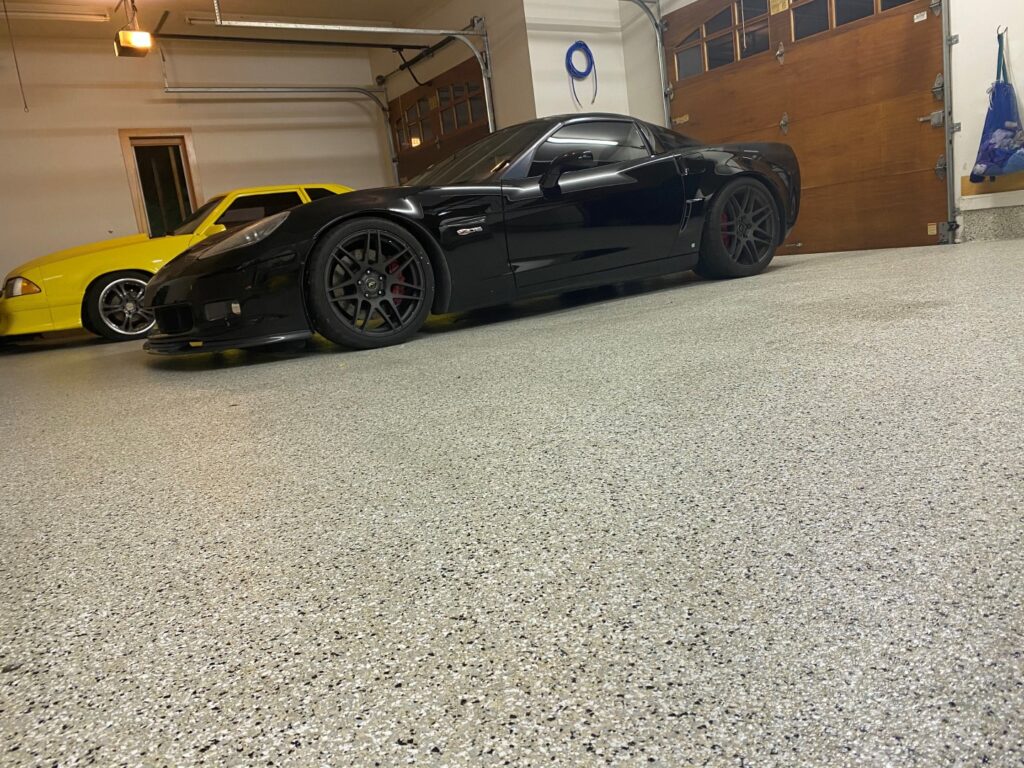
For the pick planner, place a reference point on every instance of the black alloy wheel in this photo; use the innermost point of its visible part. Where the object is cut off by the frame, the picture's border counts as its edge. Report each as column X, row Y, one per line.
column 371, row 284
column 741, row 231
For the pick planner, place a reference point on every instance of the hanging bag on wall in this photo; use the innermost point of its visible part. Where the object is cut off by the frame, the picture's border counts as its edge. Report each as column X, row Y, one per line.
column 1002, row 143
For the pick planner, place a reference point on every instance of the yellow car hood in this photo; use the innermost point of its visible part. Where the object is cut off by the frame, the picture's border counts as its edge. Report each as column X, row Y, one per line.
column 80, row 250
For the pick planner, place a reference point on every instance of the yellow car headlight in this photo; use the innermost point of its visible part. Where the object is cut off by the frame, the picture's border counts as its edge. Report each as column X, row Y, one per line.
column 20, row 286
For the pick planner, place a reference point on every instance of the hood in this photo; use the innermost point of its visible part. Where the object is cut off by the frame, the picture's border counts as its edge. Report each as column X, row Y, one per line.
column 81, row 250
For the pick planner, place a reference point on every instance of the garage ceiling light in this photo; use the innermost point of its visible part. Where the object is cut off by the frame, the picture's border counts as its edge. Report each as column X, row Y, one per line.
column 132, row 42
column 209, row 21
column 56, row 13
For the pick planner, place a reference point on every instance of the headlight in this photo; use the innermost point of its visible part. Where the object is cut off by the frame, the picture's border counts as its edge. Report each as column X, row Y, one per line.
column 248, row 235
column 19, row 286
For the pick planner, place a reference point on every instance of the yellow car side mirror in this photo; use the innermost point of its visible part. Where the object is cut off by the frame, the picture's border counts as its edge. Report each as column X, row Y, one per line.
column 214, row 229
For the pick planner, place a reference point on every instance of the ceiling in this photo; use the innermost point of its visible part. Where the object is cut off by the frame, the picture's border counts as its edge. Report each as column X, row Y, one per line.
column 99, row 19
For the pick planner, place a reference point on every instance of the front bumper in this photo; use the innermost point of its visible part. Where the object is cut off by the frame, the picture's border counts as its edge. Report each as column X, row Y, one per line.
column 200, row 309
column 25, row 315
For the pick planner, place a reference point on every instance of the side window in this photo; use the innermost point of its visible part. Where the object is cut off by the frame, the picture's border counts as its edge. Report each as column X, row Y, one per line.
column 247, row 209
column 316, row 193
column 610, row 141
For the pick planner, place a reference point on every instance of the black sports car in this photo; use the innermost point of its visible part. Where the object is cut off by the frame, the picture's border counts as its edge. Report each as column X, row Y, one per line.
column 550, row 205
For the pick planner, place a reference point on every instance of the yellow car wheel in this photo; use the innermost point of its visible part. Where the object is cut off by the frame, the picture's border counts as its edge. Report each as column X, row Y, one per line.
column 113, row 307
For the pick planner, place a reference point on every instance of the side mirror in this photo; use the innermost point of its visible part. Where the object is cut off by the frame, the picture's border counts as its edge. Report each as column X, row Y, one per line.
column 570, row 161
column 214, row 229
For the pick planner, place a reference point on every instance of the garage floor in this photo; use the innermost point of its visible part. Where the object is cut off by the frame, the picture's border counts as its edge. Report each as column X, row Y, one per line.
column 768, row 522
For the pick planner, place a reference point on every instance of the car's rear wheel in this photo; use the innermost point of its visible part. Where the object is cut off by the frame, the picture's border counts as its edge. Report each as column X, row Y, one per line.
column 113, row 307
column 741, row 231
column 370, row 284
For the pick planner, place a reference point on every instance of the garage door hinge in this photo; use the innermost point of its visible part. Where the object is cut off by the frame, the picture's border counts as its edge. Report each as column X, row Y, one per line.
column 940, row 167
column 937, row 118
column 953, row 40
column 936, row 6
column 939, row 89
column 947, row 232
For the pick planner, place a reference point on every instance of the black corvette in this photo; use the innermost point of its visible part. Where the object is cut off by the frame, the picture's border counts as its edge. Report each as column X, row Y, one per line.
column 550, row 205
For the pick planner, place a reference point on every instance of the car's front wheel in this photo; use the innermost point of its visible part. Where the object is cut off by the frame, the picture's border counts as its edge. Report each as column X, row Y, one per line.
column 370, row 284
column 113, row 307
column 741, row 231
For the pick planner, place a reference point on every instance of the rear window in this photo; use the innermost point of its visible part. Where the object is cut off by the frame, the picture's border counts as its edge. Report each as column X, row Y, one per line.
column 317, row 193
column 663, row 140
column 249, row 208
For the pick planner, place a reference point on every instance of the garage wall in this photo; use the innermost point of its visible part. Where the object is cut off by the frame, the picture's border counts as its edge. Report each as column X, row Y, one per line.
column 554, row 25
column 528, row 43
column 974, row 68
column 640, row 56
column 510, row 56
column 64, row 175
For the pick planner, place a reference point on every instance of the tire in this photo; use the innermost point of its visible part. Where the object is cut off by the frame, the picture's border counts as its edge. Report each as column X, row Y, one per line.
column 370, row 284
column 113, row 307
column 741, row 231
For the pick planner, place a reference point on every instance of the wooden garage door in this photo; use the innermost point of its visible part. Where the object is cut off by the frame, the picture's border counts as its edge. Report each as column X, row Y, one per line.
column 848, row 93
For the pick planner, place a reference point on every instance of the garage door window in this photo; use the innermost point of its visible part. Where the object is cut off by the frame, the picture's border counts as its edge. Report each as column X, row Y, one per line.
column 689, row 63
column 848, row 11
column 810, row 19
column 248, row 209
column 737, row 32
column 719, row 23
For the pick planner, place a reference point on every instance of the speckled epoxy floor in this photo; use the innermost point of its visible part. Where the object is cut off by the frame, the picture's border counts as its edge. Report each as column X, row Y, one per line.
column 768, row 522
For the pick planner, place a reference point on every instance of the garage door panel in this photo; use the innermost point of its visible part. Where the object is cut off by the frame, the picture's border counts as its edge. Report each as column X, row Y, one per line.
column 853, row 98
column 884, row 59
column 871, row 213
column 844, row 71
column 737, row 100
column 888, row 139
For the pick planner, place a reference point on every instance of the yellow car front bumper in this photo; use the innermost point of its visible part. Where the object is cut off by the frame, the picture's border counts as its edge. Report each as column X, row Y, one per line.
column 25, row 315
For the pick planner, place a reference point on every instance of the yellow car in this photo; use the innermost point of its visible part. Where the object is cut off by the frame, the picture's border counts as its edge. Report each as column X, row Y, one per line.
column 99, row 286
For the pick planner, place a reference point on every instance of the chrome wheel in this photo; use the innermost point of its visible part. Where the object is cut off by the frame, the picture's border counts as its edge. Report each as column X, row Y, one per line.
column 375, row 282
column 120, row 307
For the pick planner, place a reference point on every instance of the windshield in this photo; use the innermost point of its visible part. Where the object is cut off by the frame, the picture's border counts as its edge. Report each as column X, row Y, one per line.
column 188, row 226
column 480, row 161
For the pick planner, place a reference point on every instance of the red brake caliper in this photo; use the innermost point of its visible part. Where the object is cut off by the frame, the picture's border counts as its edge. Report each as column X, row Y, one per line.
column 396, row 291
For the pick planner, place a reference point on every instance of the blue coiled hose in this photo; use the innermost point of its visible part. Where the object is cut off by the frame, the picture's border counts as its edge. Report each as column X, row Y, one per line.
column 580, row 74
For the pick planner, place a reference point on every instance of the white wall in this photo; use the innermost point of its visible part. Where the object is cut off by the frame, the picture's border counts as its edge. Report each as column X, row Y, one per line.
column 554, row 25
column 640, row 54
column 64, row 178
column 510, row 55
column 974, row 69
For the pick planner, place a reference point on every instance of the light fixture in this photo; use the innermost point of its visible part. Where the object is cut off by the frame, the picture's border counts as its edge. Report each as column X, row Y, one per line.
column 130, row 40
column 415, row 141
column 55, row 13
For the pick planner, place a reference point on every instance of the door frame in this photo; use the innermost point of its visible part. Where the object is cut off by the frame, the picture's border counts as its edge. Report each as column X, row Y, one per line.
column 129, row 138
